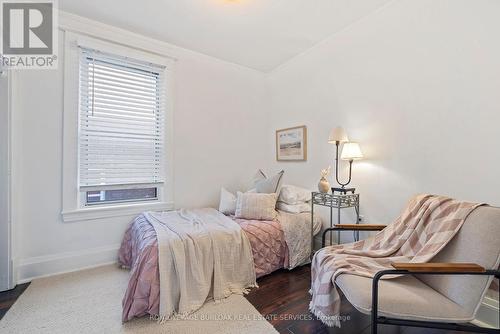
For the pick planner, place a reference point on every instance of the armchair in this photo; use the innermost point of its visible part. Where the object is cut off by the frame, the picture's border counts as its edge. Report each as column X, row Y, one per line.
column 445, row 294
column 428, row 269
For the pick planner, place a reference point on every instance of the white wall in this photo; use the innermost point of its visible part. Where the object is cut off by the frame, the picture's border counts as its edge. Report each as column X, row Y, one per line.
column 417, row 83
column 217, row 116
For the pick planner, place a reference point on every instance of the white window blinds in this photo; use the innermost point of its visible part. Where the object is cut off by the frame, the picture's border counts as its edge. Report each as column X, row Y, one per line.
column 122, row 106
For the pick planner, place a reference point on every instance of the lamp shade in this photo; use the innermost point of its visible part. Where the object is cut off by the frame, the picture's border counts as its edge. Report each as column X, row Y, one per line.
column 337, row 134
column 351, row 151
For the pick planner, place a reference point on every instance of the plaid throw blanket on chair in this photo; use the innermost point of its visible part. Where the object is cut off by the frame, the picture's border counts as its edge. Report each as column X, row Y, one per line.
column 426, row 225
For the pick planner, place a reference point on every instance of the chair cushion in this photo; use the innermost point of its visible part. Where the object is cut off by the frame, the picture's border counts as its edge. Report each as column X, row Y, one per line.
column 476, row 242
column 404, row 297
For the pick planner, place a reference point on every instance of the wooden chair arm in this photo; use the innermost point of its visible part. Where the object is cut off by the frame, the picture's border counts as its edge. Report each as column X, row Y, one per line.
column 439, row 267
column 359, row 227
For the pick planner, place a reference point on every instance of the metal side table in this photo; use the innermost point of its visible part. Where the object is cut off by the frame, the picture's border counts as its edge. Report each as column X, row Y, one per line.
column 338, row 202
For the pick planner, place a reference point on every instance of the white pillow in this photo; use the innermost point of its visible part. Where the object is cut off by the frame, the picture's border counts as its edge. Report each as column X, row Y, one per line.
column 294, row 208
column 294, row 195
column 269, row 185
column 227, row 204
column 256, row 206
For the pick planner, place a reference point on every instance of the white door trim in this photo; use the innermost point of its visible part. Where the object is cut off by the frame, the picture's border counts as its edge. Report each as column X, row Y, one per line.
column 6, row 266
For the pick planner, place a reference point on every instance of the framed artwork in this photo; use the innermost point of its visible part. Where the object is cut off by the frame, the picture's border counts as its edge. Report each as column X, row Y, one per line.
column 291, row 144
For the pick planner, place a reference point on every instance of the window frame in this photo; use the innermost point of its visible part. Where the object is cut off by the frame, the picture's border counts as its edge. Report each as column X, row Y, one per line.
column 125, row 62
column 74, row 206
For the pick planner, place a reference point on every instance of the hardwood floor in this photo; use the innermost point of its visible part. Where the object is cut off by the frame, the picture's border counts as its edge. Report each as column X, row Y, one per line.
column 283, row 297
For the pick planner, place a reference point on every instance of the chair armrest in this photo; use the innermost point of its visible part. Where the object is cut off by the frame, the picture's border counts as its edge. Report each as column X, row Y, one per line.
column 450, row 269
column 359, row 227
column 439, row 267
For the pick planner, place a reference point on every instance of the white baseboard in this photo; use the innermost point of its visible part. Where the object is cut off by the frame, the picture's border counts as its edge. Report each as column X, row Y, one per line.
column 48, row 265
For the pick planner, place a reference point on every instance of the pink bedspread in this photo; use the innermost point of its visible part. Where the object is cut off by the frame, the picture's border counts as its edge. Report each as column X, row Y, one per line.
column 139, row 252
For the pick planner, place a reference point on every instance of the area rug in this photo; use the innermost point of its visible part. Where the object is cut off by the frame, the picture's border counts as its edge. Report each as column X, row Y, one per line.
column 89, row 301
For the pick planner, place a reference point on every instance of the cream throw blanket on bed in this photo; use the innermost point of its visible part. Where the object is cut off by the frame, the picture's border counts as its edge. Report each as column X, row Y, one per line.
column 201, row 254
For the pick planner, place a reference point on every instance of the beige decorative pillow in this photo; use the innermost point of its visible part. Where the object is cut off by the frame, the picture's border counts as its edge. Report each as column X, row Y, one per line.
column 256, row 206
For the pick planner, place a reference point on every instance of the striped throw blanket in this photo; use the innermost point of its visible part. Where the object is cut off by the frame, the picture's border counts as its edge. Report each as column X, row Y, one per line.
column 202, row 255
column 427, row 224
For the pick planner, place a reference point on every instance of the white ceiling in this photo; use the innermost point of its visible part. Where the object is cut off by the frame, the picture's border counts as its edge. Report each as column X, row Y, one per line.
column 260, row 34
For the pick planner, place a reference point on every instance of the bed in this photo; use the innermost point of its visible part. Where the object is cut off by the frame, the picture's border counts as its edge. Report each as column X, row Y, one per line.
column 139, row 253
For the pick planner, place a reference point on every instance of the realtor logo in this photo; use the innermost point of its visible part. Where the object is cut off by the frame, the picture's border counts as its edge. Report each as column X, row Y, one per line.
column 28, row 34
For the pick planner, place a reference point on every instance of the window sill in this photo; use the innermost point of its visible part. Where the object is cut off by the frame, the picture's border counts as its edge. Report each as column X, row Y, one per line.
column 117, row 210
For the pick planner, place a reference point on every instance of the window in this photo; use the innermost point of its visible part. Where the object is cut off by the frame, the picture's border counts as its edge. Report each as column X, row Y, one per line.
column 120, row 195
column 121, row 128
column 117, row 127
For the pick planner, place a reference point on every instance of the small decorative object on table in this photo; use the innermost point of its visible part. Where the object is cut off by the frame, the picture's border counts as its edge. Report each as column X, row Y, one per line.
column 324, row 185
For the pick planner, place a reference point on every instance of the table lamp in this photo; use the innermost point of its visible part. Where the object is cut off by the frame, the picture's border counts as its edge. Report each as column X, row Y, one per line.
column 350, row 152
column 337, row 137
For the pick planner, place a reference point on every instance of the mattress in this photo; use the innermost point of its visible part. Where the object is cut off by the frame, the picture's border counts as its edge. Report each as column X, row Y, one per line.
column 139, row 252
